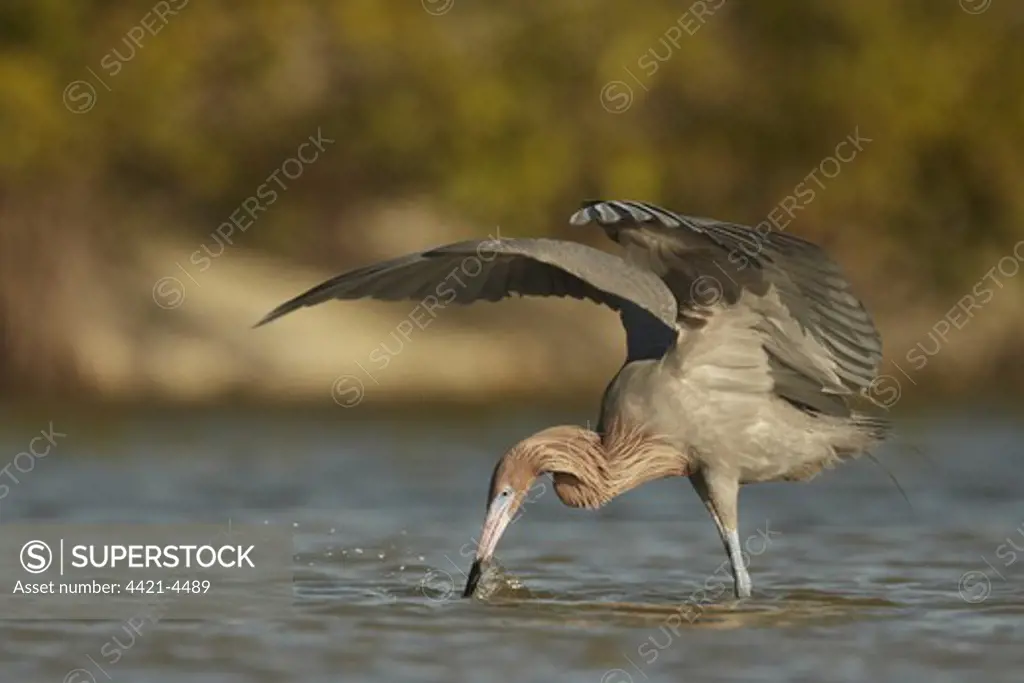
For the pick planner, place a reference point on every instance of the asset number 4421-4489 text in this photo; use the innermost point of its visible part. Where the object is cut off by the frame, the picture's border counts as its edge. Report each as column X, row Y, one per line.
column 157, row 587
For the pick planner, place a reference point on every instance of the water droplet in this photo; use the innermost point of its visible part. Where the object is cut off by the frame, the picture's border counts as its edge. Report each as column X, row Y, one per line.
column 295, row 525
column 380, row 556
column 359, row 551
column 332, row 529
column 421, row 558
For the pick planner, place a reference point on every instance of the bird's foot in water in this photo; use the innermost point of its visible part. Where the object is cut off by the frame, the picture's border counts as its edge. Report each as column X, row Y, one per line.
column 743, row 586
column 742, row 581
column 739, row 566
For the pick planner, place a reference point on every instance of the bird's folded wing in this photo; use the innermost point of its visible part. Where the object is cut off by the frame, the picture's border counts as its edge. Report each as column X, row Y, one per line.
column 818, row 337
column 493, row 269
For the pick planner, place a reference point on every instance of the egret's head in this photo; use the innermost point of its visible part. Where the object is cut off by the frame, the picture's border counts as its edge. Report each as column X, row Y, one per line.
column 510, row 485
column 563, row 452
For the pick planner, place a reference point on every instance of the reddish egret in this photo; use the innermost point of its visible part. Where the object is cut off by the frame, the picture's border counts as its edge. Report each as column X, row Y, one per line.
column 744, row 352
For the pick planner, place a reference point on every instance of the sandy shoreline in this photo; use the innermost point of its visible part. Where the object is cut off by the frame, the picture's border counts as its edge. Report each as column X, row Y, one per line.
column 158, row 332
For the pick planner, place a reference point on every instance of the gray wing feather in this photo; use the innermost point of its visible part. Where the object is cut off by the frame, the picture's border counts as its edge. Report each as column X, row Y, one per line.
column 494, row 269
column 820, row 341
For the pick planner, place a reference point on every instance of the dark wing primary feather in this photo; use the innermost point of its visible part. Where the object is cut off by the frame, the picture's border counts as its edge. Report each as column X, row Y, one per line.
column 820, row 341
column 494, row 269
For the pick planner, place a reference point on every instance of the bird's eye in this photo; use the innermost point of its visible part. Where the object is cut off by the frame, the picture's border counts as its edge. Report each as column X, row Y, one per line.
column 505, row 493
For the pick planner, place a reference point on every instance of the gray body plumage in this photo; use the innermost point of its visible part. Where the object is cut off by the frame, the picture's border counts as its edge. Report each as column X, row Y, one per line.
column 744, row 350
column 771, row 346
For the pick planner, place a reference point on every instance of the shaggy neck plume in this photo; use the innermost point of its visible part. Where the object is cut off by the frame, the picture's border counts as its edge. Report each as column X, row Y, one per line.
column 588, row 471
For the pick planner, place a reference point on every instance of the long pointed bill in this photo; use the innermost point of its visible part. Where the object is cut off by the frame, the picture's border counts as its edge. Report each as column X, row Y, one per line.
column 498, row 518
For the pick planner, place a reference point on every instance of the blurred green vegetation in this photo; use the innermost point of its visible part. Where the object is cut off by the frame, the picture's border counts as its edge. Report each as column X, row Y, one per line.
column 494, row 112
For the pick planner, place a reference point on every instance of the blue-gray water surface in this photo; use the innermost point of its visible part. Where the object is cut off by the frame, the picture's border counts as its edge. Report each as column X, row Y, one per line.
column 851, row 582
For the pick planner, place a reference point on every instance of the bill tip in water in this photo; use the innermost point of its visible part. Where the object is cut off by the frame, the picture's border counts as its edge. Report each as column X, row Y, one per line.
column 475, row 572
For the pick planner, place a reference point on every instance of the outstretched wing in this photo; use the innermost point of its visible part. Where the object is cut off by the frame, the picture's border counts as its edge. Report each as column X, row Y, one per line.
column 494, row 269
column 819, row 342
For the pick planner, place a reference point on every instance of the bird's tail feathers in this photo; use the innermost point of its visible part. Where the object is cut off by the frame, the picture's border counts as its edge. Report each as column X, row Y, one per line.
column 877, row 428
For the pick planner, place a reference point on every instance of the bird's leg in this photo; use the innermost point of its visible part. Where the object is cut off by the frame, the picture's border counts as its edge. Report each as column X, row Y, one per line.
column 720, row 495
